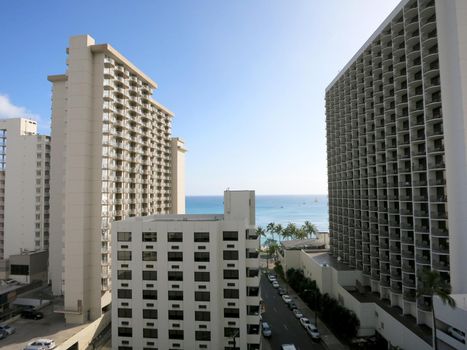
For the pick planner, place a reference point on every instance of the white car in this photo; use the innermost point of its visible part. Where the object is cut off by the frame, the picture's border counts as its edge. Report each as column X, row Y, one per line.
column 286, row 298
column 313, row 331
column 454, row 332
column 9, row 329
column 288, row 347
column 298, row 314
column 305, row 321
column 41, row 344
column 275, row 284
column 272, row 278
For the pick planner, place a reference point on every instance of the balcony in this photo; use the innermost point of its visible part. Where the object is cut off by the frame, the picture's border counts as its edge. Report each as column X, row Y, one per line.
column 441, row 265
column 408, row 268
column 409, row 295
column 423, row 259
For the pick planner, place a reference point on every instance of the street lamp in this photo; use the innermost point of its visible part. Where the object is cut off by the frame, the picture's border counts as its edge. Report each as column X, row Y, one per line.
column 315, row 306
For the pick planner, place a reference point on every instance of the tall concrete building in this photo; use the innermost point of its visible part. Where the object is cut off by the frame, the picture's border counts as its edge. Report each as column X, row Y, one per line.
column 111, row 159
column 24, row 189
column 187, row 281
column 397, row 164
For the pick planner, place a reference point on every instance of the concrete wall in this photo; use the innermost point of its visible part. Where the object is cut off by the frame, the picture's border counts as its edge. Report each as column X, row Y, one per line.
column 178, row 176
column 451, row 317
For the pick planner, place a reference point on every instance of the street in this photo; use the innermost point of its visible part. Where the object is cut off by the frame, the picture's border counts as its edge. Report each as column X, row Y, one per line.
column 286, row 329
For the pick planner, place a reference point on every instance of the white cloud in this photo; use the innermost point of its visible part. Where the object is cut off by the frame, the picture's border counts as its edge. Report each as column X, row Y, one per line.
column 9, row 110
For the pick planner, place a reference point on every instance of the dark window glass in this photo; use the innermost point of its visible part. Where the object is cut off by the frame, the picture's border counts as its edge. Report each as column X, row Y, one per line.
column 123, row 255
column 150, row 314
column 150, row 275
column 175, row 334
column 252, row 291
column 229, row 332
column 175, row 315
column 124, row 293
column 252, row 272
column 174, row 236
column 231, row 313
column 175, row 275
column 230, row 254
column 175, row 256
column 253, row 347
column 150, row 294
column 230, row 235
column 202, row 296
column 175, row 295
column 252, row 310
column 149, row 236
column 149, row 333
column 202, row 256
column 19, row 270
column 124, row 236
column 202, row 316
column 201, row 276
column 203, row 335
column 124, row 274
column 231, row 274
column 252, row 329
column 149, row 256
column 125, row 313
column 201, row 236
column 125, row 347
column 231, row 293
column 125, row 331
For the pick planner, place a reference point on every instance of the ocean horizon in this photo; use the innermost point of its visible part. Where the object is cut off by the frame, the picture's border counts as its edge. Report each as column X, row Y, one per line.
column 280, row 209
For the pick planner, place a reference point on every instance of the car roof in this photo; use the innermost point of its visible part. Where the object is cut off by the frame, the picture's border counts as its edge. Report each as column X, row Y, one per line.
column 265, row 324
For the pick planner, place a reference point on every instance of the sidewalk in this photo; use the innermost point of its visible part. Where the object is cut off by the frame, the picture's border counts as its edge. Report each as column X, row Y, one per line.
column 329, row 340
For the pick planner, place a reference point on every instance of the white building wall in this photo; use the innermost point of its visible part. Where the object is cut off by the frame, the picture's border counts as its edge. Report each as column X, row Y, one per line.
column 178, row 176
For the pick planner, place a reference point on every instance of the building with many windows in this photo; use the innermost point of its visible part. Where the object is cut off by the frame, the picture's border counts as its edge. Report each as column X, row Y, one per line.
column 397, row 164
column 187, row 281
column 112, row 158
column 24, row 189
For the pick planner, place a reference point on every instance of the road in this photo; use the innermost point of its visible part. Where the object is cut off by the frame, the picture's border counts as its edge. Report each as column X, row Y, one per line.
column 286, row 329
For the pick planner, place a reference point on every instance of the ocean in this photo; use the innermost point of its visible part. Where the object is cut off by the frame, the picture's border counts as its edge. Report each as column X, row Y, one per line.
column 278, row 209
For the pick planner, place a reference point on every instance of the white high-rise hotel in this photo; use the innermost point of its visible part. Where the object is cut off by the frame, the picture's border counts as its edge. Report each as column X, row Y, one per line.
column 112, row 158
column 397, row 157
column 187, row 281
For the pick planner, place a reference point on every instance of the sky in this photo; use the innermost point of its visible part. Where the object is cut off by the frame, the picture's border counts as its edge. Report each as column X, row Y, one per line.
column 245, row 78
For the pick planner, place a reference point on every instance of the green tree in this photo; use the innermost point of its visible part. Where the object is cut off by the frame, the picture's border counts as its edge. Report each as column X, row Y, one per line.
column 290, row 231
column 270, row 229
column 433, row 285
column 260, row 231
column 310, row 229
column 277, row 229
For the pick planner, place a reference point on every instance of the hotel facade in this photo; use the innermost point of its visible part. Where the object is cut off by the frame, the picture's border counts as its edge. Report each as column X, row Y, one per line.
column 397, row 160
column 113, row 157
column 187, row 281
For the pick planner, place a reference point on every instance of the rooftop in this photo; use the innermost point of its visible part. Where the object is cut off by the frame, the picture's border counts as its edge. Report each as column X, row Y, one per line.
column 179, row 217
column 461, row 301
column 298, row 244
column 324, row 259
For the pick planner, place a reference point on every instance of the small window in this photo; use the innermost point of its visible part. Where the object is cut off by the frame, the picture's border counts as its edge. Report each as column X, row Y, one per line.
column 202, row 296
column 230, row 254
column 202, row 276
column 175, row 236
column 175, row 256
column 175, row 275
column 150, row 275
column 231, row 332
column 231, row 293
column 176, row 334
column 175, row 295
column 175, row 314
column 203, row 335
column 231, row 313
column 124, row 293
column 149, row 256
column 230, row 235
column 150, row 314
column 231, row 274
column 201, row 236
column 149, row 333
column 124, row 274
column 123, row 255
column 150, row 294
column 125, row 331
column 124, row 236
column 124, row 313
column 202, row 316
column 201, row 256
column 149, row 236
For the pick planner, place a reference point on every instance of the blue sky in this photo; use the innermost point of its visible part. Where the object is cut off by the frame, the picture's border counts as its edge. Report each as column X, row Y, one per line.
column 245, row 78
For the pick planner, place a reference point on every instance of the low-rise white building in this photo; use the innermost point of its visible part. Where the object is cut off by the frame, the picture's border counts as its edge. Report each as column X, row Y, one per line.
column 187, row 281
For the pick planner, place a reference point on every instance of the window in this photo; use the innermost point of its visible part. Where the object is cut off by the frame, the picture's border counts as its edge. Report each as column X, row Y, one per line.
column 201, row 276
column 252, row 291
column 202, row 316
column 231, row 274
column 202, row 296
column 201, row 256
column 231, row 313
column 124, row 274
column 150, row 275
column 231, row 293
column 175, row 315
column 231, row 332
column 203, row 335
column 175, row 256
column 150, row 294
column 175, row 295
column 175, row 236
column 123, row 255
column 201, row 236
column 230, row 254
column 252, row 272
column 124, row 293
column 125, row 331
column 19, row 270
column 149, row 256
column 175, row 334
column 149, row 236
column 252, row 329
column 175, row 275
column 124, row 313
column 124, row 236
column 252, row 310
column 230, row 235
column 150, row 314
column 149, row 333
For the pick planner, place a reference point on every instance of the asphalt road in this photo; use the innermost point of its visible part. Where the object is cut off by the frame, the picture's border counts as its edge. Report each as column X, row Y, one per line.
column 286, row 329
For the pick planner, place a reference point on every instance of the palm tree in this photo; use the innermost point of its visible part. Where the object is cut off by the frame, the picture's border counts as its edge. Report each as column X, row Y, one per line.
column 301, row 233
column 433, row 285
column 270, row 228
column 269, row 241
column 290, row 231
column 260, row 231
column 278, row 229
column 310, row 229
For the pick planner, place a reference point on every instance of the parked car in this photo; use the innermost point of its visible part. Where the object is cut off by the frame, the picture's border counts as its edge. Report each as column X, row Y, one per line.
column 267, row 332
column 272, row 277
column 281, row 291
column 3, row 334
column 8, row 329
column 41, row 344
column 292, row 305
column 288, row 347
column 298, row 314
column 286, row 298
column 304, row 321
column 313, row 332
column 32, row 314
column 275, row 284
column 454, row 332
